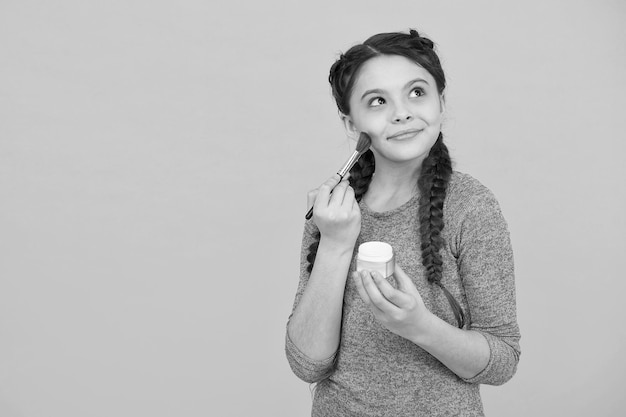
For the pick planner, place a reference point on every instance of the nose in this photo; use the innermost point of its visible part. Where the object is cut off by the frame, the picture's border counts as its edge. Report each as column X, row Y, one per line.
column 402, row 115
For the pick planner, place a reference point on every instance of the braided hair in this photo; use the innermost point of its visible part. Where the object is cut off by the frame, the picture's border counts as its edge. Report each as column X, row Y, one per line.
column 436, row 168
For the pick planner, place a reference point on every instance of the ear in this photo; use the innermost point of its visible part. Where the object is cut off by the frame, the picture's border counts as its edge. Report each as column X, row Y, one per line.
column 348, row 124
column 442, row 102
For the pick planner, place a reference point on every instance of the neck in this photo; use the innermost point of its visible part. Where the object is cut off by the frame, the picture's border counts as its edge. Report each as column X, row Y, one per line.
column 392, row 185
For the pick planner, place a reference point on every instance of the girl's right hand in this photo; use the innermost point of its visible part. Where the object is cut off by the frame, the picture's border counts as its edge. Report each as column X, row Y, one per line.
column 337, row 214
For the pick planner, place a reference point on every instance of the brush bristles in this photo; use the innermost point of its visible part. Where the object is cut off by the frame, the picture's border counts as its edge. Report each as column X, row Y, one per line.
column 364, row 142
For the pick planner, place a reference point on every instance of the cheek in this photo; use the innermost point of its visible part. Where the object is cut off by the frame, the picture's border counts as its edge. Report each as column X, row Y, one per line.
column 437, row 118
column 374, row 123
column 439, row 110
column 429, row 110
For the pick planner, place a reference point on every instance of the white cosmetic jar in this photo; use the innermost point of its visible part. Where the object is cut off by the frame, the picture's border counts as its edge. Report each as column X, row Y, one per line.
column 376, row 256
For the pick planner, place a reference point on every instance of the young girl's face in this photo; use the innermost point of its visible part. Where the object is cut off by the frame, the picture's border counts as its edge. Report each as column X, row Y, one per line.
column 397, row 103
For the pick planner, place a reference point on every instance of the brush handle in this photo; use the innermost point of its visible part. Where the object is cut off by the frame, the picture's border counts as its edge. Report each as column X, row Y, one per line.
column 309, row 213
column 342, row 173
column 349, row 164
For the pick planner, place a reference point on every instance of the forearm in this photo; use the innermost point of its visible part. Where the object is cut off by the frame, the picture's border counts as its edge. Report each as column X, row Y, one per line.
column 464, row 352
column 315, row 324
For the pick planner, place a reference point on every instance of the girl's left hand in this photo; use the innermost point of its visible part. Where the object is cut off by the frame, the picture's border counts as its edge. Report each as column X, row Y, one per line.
column 401, row 310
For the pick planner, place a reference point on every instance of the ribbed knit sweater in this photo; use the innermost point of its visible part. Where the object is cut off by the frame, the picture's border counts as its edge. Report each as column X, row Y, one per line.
column 375, row 372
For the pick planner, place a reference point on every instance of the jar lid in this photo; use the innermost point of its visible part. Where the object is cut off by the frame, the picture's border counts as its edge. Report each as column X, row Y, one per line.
column 375, row 251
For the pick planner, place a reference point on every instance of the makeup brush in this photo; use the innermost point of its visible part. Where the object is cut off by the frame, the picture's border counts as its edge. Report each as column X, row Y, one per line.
column 362, row 145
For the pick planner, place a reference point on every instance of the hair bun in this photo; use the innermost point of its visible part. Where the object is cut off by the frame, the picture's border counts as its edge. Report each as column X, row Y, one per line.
column 427, row 43
column 424, row 42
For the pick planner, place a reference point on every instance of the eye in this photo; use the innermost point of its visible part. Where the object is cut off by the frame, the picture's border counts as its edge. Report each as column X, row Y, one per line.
column 417, row 92
column 377, row 101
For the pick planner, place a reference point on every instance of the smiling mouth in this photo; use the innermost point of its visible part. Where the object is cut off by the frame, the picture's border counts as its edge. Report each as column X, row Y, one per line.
column 405, row 134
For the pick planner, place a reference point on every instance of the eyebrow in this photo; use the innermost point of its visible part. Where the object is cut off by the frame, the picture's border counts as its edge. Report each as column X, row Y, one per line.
column 379, row 91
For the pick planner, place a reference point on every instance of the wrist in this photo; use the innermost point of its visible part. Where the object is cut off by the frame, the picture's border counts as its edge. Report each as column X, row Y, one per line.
column 426, row 330
column 338, row 247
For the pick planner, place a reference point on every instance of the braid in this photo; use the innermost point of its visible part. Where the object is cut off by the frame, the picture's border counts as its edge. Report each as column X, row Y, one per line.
column 360, row 178
column 310, row 257
column 361, row 174
column 432, row 183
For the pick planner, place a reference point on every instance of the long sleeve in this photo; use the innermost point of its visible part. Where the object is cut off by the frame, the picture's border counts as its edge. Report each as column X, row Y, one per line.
column 376, row 372
column 303, row 367
column 485, row 264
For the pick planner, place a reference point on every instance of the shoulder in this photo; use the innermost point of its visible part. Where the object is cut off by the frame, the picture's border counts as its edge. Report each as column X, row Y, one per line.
column 464, row 189
column 467, row 195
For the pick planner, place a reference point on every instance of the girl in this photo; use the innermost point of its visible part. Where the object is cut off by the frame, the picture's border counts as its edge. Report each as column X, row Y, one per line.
column 421, row 343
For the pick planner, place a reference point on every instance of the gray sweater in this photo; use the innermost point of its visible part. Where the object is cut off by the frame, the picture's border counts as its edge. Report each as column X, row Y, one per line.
column 377, row 373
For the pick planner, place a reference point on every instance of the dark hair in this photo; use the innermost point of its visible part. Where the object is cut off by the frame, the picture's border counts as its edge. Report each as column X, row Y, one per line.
column 436, row 167
column 344, row 72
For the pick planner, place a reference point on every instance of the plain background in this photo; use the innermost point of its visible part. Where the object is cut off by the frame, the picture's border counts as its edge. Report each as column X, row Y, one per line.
column 154, row 163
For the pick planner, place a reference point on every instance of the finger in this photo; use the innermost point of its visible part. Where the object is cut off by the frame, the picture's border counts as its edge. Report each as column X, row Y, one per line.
column 358, row 282
column 355, row 203
column 350, row 197
column 339, row 193
column 311, row 196
column 350, row 201
column 405, row 284
column 376, row 296
column 326, row 188
column 396, row 297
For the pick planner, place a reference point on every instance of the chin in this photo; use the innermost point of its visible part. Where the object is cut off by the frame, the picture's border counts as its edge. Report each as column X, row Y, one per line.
column 405, row 158
column 409, row 153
